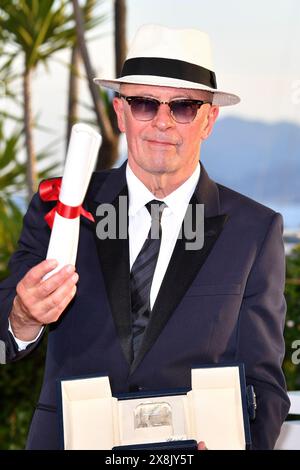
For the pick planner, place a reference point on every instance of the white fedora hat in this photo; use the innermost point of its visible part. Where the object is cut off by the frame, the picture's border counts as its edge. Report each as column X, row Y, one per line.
column 179, row 58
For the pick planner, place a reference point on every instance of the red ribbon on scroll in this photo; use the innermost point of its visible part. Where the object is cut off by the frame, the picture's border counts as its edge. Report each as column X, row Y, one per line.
column 49, row 191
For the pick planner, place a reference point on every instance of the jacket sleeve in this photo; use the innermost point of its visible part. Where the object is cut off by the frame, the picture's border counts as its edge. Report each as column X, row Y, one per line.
column 32, row 249
column 260, row 337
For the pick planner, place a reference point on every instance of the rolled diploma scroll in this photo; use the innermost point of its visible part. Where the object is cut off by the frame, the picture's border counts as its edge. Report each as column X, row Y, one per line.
column 80, row 162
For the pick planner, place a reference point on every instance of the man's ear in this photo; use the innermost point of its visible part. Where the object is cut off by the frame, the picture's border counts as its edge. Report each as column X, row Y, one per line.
column 211, row 119
column 118, row 105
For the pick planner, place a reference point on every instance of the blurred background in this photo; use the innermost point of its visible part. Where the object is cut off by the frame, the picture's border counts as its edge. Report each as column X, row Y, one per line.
column 49, row 52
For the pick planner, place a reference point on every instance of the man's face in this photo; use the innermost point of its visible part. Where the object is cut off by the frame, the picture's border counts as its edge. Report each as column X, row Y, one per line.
column 163, row 146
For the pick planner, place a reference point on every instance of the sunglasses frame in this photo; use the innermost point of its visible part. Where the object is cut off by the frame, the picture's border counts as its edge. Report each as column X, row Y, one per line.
column 199, row 103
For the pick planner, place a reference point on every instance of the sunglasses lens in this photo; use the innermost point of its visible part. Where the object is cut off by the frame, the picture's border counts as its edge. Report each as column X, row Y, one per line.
column 183, row 111
column 144, row 109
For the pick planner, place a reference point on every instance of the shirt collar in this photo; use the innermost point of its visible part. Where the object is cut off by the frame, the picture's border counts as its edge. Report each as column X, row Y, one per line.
column 177, row 201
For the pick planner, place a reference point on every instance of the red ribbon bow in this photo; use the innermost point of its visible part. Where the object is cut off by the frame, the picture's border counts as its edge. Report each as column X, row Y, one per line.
column 49, row 190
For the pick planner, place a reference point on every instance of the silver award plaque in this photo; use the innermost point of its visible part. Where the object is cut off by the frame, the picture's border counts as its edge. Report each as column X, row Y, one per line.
column 152, row 414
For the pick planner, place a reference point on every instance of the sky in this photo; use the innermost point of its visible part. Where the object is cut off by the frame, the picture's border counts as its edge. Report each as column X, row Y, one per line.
column 255, row 48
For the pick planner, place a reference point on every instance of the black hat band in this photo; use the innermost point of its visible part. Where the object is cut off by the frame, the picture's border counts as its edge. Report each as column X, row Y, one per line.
column 171, row 68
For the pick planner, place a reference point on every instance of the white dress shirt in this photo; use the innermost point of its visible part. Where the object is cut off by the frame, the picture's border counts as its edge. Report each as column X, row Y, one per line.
column 171, row 221
column 23, row 344
column 140, row 222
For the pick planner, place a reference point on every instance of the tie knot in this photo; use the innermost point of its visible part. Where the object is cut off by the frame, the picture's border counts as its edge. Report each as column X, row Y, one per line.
column 155, row 209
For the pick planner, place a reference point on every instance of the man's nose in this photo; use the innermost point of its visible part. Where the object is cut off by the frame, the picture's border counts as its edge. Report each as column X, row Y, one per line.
column 163, row 119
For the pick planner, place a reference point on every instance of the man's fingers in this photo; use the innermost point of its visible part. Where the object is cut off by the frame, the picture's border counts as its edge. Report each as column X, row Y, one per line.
column 202, row 446
column 36, row 273
column 54, row 314
column 39, row 302
column 61, row 292
column 49, row 308
column 45, row 288
column 45, row 295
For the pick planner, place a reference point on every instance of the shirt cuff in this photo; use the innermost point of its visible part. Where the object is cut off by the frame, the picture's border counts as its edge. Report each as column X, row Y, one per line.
column 22, row 345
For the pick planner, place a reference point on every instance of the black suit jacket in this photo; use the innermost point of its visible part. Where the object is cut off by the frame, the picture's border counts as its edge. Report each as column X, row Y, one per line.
column 223, row 303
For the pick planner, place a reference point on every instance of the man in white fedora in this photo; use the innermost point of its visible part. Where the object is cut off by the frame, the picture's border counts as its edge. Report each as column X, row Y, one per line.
column 148, row 309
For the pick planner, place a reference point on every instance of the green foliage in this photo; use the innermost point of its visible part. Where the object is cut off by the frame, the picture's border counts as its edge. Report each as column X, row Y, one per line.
column 12, row 185
column 12, row 173
column 20, row 382
column 12, row 180
column 20, row 385
column 292, row 328
column 37, row 28
column 33, row 30
column 10, row 226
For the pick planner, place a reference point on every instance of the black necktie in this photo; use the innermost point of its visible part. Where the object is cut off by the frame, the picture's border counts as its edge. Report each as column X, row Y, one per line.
column 142, row 274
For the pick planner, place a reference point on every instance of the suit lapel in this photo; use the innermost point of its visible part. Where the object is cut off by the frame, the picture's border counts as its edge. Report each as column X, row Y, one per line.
column 114, row 257
column 184, row 264
column 182, row 270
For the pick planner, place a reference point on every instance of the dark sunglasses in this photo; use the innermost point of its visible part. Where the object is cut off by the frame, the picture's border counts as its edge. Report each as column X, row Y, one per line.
column 182, row 111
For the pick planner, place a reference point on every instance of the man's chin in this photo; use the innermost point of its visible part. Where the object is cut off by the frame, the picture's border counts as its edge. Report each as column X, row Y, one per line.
column 155, row 167
column 165, row 164
column 160, row 170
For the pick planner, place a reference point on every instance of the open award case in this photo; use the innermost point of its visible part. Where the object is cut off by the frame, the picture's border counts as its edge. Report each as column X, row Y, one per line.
column 213, row 411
